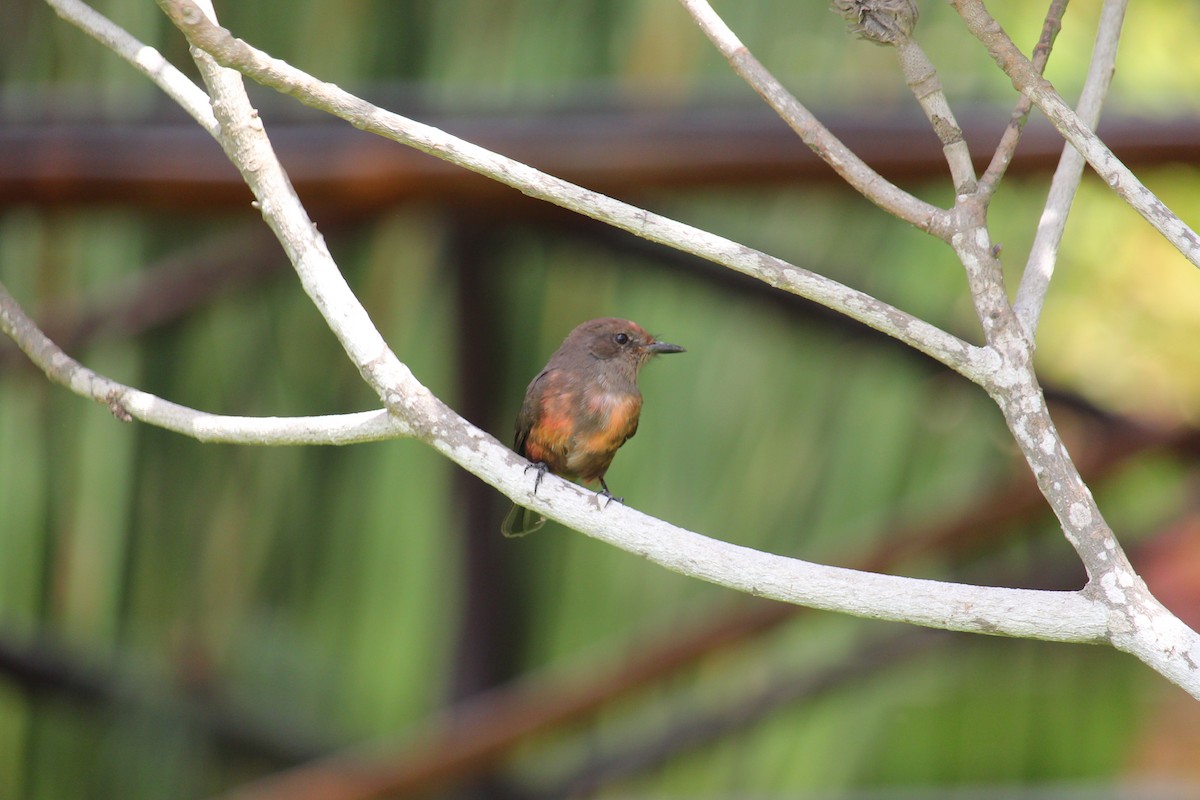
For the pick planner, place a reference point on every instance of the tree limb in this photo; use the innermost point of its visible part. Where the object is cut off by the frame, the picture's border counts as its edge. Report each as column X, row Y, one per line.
column 145, row 59
column 820, row 140
column 1141, row 624
column 972, row 362
column 891, row 23
column 1055, row 616
column 1059, row 616
column 1035, row 281
column 922, row 79
column 1007, row 147
column 127, row 403
column 1026, row 79
column 1138, row 622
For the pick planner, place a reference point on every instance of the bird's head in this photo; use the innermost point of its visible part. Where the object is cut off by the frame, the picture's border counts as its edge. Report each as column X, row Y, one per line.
column 610, row 338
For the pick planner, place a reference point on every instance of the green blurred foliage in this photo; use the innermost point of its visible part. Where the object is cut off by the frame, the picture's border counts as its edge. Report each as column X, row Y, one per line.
column 322, row 588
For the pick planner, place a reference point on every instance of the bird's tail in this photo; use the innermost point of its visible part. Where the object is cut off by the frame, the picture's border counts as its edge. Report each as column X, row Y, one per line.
column 520, row 521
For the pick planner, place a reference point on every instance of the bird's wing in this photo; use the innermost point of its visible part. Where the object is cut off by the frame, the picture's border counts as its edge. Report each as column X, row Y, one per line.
column 528, row 413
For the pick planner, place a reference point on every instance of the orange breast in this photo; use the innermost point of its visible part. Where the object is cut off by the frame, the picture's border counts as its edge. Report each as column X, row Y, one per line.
column 578, row 439
column 611, row 420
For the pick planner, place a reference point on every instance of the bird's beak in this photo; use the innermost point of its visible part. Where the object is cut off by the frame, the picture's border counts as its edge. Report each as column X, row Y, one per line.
column 664, row 347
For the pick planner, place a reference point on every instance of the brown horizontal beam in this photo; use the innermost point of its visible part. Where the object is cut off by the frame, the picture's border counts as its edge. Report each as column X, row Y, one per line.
column 620, row 150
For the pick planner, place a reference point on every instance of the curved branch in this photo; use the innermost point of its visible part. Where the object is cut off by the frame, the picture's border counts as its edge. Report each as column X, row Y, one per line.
column 1099, row 613
column 1026, row 79
column 127, row 403
column 1007, row 147
column 922, row 78
column 1054, row 616
column 145, row 59
column 1138, row 622
column 972, row 362
column 820, row 140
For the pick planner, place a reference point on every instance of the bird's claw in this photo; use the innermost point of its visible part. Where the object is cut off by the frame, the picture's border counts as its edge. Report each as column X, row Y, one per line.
column 605, row 493
column 541, row 468
column 608, row 496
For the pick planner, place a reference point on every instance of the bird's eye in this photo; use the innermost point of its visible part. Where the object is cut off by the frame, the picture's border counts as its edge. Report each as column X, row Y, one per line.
column 621, row 338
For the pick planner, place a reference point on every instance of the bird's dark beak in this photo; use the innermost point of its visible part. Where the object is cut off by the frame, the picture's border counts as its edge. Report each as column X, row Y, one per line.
column 664, row 347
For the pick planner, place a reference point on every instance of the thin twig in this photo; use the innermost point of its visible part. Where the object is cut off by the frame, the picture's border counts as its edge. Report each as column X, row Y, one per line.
column 892, row 23
column 1043, row 94
column 142, row 57
column 922, row 79
column 820, row 140
column 127, row 403
column 1020, row 115
column 1035, row 282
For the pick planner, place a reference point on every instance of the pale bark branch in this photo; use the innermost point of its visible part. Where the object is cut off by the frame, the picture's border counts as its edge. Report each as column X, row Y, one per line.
column 1035, row 281
column 1014, row 385
column 248, row 148
column 1026, row 79
column 126, row 402
column 972, row 362
column 819, row 139
column 890, row 24
column 1007, row 147
column 1138, row 622
column 190, row 97
column 1056, row 615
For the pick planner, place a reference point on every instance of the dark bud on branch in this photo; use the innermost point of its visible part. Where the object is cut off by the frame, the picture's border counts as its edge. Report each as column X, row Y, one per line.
column 879, row 21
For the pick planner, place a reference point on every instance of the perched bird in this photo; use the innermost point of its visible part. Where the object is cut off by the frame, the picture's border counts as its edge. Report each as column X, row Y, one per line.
column 582, row 407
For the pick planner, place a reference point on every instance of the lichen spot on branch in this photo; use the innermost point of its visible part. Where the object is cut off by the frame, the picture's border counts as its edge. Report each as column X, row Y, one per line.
column 1080, row 515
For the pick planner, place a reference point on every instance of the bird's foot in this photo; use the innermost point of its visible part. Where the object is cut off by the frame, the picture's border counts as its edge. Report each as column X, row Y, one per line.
column 542, row 468
column 605, row 493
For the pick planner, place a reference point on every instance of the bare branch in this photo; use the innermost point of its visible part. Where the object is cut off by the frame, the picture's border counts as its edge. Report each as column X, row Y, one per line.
column 1056, row 616
column 145, row 59
column 1044, row 253
column 1027, row 81
column 1020, row 115
column 891, row 23
column 972, row 362
column 922, row 79
column 127, row 403
column 248, row 148
column 820, row 140
column 1019, row 396
column 1138, row 622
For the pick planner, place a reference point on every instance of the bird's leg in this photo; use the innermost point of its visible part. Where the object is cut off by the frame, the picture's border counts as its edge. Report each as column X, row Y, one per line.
column 542, row 467
column 606, row 493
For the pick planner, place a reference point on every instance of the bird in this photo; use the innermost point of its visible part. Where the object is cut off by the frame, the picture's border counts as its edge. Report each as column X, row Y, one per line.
column 582, row 407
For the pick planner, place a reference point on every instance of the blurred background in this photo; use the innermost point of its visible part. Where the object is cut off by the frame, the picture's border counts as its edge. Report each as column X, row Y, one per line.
column 180, row 619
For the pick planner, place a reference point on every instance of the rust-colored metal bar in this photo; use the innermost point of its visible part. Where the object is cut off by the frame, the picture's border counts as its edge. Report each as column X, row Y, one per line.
column 620, row 150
